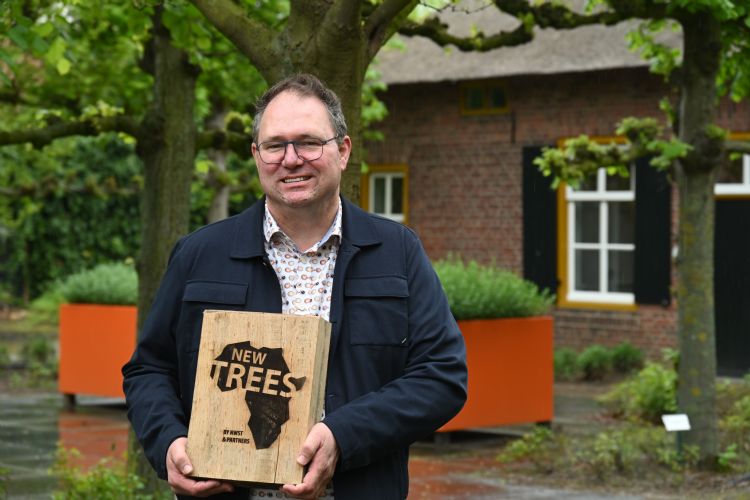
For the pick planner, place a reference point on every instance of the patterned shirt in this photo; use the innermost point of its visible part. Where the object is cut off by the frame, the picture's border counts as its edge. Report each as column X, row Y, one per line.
column 306, row 280
column 305, row 277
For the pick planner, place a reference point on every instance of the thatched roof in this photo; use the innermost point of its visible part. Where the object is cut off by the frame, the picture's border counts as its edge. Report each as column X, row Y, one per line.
column 552, row 51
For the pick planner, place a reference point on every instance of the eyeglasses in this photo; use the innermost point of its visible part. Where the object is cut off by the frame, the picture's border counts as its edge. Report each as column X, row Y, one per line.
column 306, row 149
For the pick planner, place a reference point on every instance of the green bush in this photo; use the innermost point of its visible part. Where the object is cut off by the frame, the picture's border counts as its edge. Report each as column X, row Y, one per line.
column 595, row 362
column 479, row 292
column 105, row 481
column 542, row 447
column 647, row 395
column 104, row 284
column 626, row 358
column 37, row 350
column 44, row 310
column 737, row 421
column 566, row 364
column 38, row 354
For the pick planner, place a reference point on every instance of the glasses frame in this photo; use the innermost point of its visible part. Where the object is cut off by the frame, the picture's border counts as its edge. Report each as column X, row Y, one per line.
column 294, row 147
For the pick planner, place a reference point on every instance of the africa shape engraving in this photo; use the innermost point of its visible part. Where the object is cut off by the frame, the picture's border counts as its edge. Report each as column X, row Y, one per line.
column 268, row 384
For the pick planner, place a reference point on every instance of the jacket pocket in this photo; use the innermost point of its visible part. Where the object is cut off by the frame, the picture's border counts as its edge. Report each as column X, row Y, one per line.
column 377, row 310
column 215, row 292
column 201, row 295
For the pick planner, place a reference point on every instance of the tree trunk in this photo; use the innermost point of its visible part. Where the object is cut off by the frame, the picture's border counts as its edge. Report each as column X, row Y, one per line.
column 166, row 145
column 696, row 392
column 167, row 148
column 219, row 208
column 696, row 176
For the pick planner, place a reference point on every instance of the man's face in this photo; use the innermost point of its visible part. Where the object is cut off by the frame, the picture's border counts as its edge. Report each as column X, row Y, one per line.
column 296, row 183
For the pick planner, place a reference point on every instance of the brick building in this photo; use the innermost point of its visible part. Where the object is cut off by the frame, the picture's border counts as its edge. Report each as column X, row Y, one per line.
column 455, row 165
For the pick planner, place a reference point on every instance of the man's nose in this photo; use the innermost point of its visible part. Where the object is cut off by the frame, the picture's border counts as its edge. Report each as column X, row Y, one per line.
column 291, row 159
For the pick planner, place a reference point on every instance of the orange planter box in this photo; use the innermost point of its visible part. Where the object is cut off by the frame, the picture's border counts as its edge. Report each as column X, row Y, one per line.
column 95, row 341
column 511, row 372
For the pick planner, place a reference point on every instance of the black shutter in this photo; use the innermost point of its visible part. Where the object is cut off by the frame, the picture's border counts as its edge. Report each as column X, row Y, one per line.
column 539, row 224
column 653, row 216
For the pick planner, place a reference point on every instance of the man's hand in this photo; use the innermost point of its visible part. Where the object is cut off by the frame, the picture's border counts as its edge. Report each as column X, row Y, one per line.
column 179, row 466
column 321, row 453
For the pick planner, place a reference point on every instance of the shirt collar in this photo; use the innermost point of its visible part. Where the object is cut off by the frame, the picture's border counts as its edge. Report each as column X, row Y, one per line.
column 271, row 227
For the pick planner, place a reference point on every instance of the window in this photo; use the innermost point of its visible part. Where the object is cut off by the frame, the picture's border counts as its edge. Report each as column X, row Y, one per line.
column 385, row 191
column 601, row 239
column 483, row 98
column 734, row 177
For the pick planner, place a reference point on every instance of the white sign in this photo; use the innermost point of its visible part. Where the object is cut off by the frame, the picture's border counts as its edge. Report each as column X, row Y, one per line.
column 674, row 423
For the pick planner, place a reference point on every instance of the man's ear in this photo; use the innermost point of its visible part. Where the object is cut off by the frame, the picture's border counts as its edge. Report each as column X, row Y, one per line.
column 345, row 150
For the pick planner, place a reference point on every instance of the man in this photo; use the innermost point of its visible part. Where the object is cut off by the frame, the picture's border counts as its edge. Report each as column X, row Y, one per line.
column 396, row 367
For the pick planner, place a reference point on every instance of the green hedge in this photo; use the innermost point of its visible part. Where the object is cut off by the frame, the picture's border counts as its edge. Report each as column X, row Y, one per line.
column 115, row 284
column 479, row 292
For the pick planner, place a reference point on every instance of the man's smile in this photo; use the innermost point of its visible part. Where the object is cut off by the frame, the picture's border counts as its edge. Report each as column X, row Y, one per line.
column 290, row 180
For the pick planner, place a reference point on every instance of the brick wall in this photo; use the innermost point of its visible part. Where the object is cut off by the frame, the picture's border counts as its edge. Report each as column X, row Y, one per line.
column 465, row 174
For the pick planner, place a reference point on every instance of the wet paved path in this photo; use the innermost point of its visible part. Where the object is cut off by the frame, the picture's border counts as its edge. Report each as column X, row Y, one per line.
column 31, row 425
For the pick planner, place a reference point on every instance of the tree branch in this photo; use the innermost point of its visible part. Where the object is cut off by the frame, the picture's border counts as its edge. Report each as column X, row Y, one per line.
column 551, row 15
column 252, row 38
column 345, row 12
column 225, row 139
column 544, row 15
column 379, row 24
column 341, row 24
column 40, row 137
column 437, row 31
column 737, row 147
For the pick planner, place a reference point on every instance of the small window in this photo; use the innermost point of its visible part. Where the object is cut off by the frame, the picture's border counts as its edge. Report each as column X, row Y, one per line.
column 483, row 98
column 385, row 191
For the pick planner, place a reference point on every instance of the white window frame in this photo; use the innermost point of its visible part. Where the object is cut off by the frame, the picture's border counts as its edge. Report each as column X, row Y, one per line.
column 604, row 197
column 743, row 188
column 388, row 176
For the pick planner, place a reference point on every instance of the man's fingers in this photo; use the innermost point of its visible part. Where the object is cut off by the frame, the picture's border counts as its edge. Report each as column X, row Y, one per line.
column 178, row 455
column 309, row 448
column 179, row 466
column 320, row 453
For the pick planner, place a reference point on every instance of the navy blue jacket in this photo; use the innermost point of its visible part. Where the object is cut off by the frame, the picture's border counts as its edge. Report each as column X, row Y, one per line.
column 397, row 362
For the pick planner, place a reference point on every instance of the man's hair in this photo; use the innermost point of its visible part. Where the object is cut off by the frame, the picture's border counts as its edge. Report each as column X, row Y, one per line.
column 303, row 85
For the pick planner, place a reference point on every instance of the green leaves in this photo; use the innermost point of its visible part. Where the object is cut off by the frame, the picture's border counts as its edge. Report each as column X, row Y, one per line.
column 663, row 59
column 111, row 283
column 476, row 292
column 581, row 156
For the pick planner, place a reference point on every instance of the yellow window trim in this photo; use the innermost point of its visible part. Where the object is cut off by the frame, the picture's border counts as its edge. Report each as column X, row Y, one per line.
column 600, row 139
column 364, row 188
column 562, row 244
column 485, row 85
column 735, row 136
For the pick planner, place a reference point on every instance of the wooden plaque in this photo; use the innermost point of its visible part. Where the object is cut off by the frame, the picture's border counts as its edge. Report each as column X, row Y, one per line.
column 259, row 388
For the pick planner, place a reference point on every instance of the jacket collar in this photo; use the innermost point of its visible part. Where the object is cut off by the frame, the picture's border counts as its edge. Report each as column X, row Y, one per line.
column 248, row 242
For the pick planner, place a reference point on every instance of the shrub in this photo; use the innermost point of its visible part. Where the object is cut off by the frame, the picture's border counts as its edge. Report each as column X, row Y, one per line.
column 543, row 448
column 105, row 481
column 647, row 395
column 104, row 284
column 595, row 362
column 631, row 450
column 44, row 310
column 738, row 419
column 477, row 292
column 39, row 355
column 626, row 358
column 566, row 364
column 37, row 350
